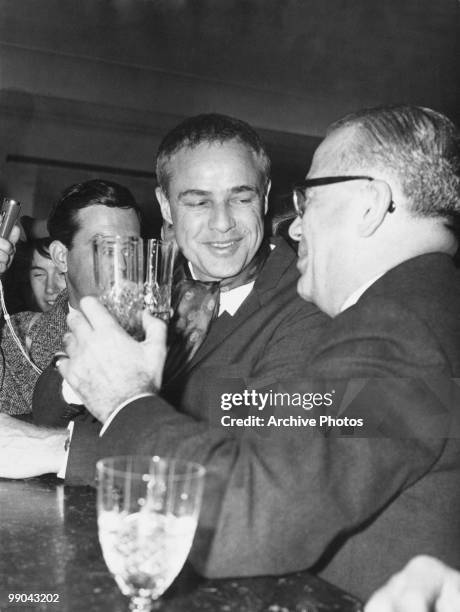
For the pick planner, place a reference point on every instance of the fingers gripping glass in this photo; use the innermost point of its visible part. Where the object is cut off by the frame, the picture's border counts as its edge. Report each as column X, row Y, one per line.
column 299, row 191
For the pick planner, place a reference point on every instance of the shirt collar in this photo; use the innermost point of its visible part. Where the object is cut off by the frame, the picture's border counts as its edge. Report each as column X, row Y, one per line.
column 354, row 297
column 231, row 300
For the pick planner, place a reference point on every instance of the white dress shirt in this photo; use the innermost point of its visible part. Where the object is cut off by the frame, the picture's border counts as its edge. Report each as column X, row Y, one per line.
column 354, row 297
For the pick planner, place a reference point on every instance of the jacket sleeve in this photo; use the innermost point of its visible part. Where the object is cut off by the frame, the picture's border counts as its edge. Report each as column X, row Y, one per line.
column 288, row 491
column 48, row 405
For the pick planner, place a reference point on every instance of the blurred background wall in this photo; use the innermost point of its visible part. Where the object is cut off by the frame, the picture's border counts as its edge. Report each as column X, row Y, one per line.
column 89, row 87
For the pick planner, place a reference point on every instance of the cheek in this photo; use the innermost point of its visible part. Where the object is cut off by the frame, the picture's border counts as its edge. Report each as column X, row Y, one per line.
column 37, row 286
column 60, row 282
column 250, row 222
column 188, row 227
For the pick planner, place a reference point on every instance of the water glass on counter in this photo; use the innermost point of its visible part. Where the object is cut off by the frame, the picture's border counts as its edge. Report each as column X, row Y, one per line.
column 148, row 511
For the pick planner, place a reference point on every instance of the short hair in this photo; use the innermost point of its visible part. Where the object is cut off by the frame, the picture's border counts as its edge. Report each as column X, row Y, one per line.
column 63, row 222
column 209, row 128
column 25, row 251
column 42, row 246
column 419, row 146
column 18, row 294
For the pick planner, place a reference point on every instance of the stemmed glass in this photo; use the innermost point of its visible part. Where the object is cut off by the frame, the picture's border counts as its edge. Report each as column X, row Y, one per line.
column 148, row 511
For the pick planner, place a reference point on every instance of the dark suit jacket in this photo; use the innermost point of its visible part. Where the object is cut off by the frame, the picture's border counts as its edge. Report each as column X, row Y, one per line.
column 265, row 339
column 285, row 498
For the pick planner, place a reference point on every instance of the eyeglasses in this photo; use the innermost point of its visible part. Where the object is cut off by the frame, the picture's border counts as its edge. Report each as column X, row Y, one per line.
column 298, row 193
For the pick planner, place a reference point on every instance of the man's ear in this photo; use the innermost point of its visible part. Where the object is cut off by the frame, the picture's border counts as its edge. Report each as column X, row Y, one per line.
column 58, row 252
column 164, row 205
column 267, row 192
column 376, row 202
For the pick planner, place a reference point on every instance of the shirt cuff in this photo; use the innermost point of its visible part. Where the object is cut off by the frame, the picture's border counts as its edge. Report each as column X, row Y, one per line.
column 120, row 407
column 62, row 471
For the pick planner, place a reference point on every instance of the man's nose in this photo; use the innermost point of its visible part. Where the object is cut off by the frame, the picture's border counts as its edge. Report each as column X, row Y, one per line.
column 295, row 229
column 52, row 284
column 221, row 218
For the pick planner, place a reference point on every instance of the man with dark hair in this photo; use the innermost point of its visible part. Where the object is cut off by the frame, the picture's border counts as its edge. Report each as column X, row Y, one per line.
column 83, row 211
column 240, row 317
column 246, row 323
column 292, row 496
column 32, row 282
column 219, row 240
column 211, row 128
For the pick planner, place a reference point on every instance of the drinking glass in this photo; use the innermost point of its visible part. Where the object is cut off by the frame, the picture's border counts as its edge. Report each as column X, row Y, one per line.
column 119, row 274
column 147, row 516
column 159, row 273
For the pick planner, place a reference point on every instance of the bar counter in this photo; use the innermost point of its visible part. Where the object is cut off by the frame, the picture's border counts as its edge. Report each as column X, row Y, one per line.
column 49, row 547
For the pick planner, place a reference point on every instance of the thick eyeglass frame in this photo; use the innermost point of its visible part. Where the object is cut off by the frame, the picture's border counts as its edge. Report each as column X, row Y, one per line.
column 326, row 180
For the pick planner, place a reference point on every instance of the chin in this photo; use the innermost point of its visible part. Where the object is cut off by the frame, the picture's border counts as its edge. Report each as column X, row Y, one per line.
column 303, row 290
column 225, row 271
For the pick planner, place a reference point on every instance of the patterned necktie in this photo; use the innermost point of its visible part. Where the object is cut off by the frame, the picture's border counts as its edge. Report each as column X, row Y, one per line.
column 196, row 305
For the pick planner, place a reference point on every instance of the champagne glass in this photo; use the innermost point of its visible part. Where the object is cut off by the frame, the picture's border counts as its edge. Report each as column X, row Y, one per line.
column 159, row 274
column 119, row 274
column 147, row 516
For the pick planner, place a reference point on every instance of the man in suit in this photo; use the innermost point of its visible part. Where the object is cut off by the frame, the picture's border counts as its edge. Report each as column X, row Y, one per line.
column 355, row 499
column 213, row 183
column 83, row 211
column 213, row 175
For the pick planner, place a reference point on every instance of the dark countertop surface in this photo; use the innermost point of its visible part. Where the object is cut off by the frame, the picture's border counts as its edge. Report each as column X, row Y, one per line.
column 49, row 545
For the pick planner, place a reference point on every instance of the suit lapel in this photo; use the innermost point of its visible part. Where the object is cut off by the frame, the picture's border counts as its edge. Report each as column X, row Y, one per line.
column 224, row 326
column 276, row 265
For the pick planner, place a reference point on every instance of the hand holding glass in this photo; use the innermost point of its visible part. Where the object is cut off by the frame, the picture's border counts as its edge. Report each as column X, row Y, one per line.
column 147, row 516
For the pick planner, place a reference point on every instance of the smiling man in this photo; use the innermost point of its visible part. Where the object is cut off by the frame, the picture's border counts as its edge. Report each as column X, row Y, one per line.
column 46, row 281
column 216, row 202
column 375, row 226
column 243, row 319
column 83, row 211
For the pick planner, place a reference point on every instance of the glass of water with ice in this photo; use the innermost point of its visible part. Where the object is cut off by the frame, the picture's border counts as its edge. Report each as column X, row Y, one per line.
column 148, row 511
column 119, row 274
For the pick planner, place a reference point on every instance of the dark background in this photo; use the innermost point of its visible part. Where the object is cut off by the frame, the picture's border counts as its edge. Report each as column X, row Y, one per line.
column 89, row 87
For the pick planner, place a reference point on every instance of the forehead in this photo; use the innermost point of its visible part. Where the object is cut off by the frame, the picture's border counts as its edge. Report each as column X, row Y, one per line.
column 331, row 154
column 39, row 260
column 98, row 219
column 213, row 166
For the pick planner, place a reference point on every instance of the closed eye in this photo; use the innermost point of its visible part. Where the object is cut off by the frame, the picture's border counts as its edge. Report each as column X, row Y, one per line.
column 244, row 199
column 195, row 203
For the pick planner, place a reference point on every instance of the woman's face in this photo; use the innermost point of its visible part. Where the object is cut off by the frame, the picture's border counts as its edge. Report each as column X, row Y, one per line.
column 46, row 281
